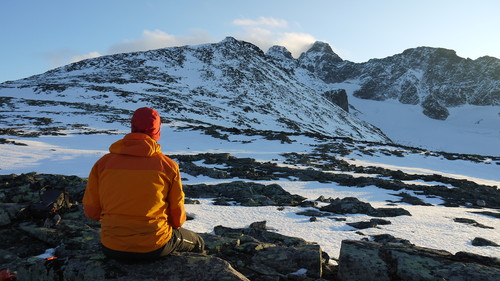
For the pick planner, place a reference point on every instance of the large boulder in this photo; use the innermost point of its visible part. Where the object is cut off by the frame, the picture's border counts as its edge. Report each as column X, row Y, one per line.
column 352, row 205
column 366, row 261
column 338, row 97
column 259, row 253
column 244, row 193
column 176, row 267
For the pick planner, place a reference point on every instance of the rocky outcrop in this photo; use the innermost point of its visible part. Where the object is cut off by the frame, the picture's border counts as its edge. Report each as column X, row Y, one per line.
column 366, row 261
column 433, row 109
column 352, row 205
column 338, row 97
column 93, row 266
column 435, row 78
column 244, row 193
column 481, row 242
column 253, row 253
column 250, row 253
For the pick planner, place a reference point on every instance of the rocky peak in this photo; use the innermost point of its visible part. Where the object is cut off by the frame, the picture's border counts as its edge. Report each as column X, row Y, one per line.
column 239, row 46
column 279, row 52
column 322, row 50
column 320, row 47
column 319, row 59
column 430, row 51
column 282, row 57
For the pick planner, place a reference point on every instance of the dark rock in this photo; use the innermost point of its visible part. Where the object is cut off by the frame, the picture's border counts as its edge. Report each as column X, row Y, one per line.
column 389, row 212
column 181, row 266
column 324, row 199
column 246, row 168
column 260, row 254
column 481, row 203
column 409, row 93
column 313, row 213
column 191, row 201
column 338, row 97
column 259, row 234
column 258, row 225
column 351, row 205
column 308, row 203
column 410, row 199
column 338, row 219
column 348, row 205
column 283, row 138
column 244, row 193
column 434, row 110
column 233, row 254
column 488, row 213
column 471, row 222
column 480, row 242
column 368, row 224
column 387, row 238
column 470, row 257
column 366, row 261
column 362, row 224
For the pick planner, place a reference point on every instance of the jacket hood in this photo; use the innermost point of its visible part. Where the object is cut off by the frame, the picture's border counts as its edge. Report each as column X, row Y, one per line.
column 136, row 144
column 146, row 120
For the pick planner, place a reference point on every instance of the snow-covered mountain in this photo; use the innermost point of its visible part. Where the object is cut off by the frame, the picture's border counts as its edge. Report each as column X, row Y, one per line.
column 233, row 84
column 435, row 78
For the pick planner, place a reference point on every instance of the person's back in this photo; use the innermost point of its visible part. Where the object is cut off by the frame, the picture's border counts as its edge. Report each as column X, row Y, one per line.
column 135, row 191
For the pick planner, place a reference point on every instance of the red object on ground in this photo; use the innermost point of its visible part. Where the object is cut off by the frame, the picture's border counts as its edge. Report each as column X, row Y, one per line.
column 5, row 275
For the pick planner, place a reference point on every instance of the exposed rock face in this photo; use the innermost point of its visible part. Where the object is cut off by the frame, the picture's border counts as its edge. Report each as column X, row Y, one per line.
column 434, row 110
column 338, row 97
column 319, row 58
column 435, row 78
column 366, row 261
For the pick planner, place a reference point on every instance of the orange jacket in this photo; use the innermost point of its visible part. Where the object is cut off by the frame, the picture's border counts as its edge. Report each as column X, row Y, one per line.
column 136, row 193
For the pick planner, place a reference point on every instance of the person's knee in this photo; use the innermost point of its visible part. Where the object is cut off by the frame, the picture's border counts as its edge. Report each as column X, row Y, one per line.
column 201, row 244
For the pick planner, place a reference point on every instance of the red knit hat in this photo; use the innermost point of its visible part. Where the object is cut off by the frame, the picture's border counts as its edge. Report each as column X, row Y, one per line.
column 146, row 120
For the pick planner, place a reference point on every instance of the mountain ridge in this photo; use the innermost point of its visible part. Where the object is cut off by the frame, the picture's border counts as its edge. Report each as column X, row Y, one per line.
column 233, row 83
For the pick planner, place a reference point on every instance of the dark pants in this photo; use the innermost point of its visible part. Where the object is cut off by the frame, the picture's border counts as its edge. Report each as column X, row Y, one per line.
column 182, row 240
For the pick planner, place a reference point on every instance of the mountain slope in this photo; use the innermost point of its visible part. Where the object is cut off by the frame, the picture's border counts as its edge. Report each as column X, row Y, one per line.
column 426, row 94
column 435, row 78
column 229, row 84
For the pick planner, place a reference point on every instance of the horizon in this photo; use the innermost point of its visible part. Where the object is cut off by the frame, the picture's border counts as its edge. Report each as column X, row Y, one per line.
column 43, row 36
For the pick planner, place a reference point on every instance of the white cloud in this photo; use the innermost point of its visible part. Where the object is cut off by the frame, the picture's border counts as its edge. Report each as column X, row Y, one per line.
column 264, row 32
column 85, row 56
column 59, row 57
column 296, row 43
column 267, row 32
column 157, row 39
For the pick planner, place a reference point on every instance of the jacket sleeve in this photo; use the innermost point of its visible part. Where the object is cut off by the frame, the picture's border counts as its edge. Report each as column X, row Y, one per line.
column 91, row 202
column 176, row 212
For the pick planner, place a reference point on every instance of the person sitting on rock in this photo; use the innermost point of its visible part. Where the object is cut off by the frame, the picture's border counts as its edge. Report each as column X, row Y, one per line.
column 135, row 191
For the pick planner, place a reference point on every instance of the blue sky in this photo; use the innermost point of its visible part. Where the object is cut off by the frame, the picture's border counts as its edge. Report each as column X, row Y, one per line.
column 37, row 35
